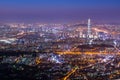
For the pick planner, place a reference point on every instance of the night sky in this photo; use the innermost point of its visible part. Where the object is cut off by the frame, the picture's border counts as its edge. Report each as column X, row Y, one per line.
column 59, row 10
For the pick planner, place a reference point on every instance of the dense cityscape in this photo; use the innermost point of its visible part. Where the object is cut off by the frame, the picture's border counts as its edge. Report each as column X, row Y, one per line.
column 80, row 51
column 59, row 40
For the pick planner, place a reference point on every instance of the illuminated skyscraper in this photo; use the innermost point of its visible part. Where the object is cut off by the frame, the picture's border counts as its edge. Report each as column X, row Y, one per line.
column 89, row 28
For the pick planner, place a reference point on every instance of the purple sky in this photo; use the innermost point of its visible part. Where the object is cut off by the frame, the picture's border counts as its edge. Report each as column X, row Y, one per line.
column 59, row 10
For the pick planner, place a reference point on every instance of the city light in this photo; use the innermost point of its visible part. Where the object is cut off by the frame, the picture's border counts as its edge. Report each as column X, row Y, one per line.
column 59, row 40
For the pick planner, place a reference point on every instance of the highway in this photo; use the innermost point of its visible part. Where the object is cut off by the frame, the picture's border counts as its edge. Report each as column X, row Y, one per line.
column 70, row 73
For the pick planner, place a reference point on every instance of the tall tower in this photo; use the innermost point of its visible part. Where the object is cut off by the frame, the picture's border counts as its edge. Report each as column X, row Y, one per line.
column 89, row 28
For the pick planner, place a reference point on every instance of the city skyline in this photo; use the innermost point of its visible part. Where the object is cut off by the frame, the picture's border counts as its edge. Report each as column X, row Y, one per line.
column 59, row 40
column 63, row 11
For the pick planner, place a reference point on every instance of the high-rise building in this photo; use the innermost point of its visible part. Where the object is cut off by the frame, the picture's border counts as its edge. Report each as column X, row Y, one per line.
column 89, row 28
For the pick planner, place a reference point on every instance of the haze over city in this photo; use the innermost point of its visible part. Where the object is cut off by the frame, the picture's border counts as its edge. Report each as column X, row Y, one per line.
column 59, row 40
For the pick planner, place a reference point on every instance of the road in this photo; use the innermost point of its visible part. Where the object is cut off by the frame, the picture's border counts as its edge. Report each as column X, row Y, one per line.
column 70, row 73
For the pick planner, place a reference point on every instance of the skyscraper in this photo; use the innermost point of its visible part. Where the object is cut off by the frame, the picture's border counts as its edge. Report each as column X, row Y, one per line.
column 89, row 28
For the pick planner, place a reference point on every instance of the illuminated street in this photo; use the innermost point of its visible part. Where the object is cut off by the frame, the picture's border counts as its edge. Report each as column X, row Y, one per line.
column 59, row 40
column 63, row 56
